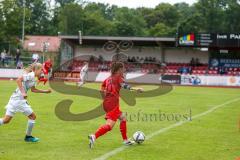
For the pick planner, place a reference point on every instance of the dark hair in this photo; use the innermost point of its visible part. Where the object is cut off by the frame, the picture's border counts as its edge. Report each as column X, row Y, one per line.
column 116, row 66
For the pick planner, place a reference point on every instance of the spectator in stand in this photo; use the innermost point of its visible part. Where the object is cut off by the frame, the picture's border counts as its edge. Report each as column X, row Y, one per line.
column 7, row 59
column 35, row 58
column 133, row 59
column 141, row 60
column 18, row 54
column 190, row 70
column 129, row 59
column 100, row 59
column 221, row 70
column 154, row 59
column 155, row 70
column 3, row 57
column 163, row 64
column 99, row 67
column 197, row 62
column 180, row 70
column 183, row 70
column 20, row 65
column 137, row 59
column 105, row 67
column 102, row 67
column 192, row 62
column 91, row 59
column 226, row 70
column 150, row 59
column 146, row 59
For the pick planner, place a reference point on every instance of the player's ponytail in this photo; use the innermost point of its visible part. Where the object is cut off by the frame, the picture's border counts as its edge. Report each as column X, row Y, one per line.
column 32, row 67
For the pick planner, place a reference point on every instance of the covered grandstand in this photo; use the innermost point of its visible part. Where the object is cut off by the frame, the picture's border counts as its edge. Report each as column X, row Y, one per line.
column 144, row 54
column 160, row 57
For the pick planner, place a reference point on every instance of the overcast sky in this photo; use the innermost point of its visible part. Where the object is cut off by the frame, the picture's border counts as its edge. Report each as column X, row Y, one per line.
column 141, row 3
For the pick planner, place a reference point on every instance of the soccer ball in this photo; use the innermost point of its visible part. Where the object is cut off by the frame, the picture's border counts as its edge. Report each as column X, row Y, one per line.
column 139, row 137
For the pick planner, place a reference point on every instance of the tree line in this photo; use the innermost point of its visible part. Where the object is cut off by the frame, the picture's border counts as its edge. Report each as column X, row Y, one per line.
column 48, row 17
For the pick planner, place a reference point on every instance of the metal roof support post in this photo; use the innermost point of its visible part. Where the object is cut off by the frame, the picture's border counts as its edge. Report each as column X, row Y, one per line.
column 80, row 37
column 162, row 54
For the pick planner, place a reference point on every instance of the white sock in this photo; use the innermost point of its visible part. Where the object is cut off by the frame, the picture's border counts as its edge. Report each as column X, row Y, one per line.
column 1, row 121
column 80, row 84
column 30, row 125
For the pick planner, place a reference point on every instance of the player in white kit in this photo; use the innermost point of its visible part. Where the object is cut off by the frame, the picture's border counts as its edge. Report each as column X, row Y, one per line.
column 18, row 100
column 83, row 74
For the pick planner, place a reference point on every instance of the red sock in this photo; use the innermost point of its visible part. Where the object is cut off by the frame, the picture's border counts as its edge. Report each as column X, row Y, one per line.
column 102, row 130
column 123, row 129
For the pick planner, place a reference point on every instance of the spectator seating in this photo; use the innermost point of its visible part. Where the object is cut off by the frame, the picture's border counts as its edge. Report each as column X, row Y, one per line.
column 147, row 67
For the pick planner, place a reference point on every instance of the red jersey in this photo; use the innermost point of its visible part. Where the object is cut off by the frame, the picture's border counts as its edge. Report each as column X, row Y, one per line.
column 47, row 66
column 111, row 87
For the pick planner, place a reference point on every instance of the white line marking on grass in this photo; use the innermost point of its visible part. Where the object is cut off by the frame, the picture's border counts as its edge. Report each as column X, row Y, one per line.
column 122, row 148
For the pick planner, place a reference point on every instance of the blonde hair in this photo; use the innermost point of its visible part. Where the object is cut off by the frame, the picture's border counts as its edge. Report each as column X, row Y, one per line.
column 32, row 67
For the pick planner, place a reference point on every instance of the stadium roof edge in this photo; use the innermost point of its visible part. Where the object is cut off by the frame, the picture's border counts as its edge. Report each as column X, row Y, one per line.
column 166, row 39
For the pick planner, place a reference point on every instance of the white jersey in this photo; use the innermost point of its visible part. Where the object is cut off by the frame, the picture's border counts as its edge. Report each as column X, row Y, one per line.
column 84, row 69
column 28, row 82
column 83, row 74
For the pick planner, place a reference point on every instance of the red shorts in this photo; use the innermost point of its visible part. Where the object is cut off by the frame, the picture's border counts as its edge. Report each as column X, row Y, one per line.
column 114, row 114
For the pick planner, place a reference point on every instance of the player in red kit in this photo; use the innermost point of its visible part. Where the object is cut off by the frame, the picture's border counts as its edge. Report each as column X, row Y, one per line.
column 47, row 66
column 110, row 93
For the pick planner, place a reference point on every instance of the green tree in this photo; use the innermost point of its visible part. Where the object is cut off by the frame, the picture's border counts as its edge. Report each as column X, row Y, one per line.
column 163, row 13
column 185, row 11
column 40, row 18
column 106, row 10
column 161, row 29
column 167, row 14
column 212, row 13
column 147, row 14
column 128, row 22
column 95, row 24
column 192, row 24
column 71, row 19
column 62, row 3
column 97, row 20
column 12, row 20
column 2, row 31
column 232, row 19
column 70, row 16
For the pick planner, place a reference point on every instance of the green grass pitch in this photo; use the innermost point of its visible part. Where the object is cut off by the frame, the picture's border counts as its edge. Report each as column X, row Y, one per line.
column 214, row 136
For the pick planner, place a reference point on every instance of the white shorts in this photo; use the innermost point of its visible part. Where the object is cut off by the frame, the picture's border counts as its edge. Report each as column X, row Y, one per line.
column 15, row 106
column 83, row 77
